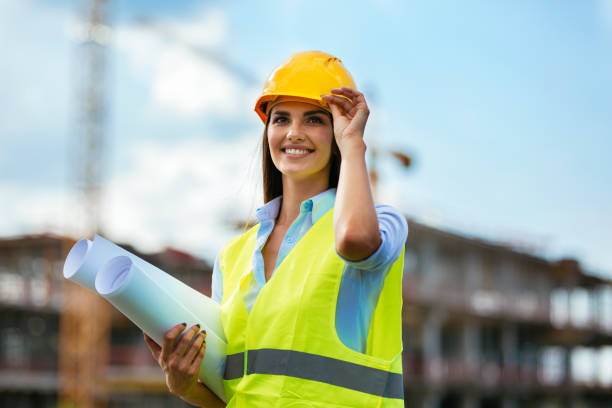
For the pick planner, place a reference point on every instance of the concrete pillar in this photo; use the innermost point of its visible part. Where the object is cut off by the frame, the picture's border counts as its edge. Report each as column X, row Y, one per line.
column 470, row 344
column 572, row 402
column 432, row 399
column 469, row 401
column 569, row 289
column 429, row 269
column 473, row 272
column 509, row 402
column 597, row 365
column 508, row 278
column 606, row 308
column 594, row 307
column 567, row 367
column 510, row 351
column 432, row 345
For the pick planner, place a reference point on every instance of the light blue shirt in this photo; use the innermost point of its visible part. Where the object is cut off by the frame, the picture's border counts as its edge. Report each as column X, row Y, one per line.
column 361, row 282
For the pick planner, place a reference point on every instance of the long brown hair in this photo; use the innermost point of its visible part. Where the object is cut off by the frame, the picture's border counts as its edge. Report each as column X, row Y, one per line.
column 272, row 177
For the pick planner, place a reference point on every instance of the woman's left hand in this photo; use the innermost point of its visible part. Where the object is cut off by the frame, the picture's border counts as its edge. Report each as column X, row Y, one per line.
column 350, row 116
column 180, row 360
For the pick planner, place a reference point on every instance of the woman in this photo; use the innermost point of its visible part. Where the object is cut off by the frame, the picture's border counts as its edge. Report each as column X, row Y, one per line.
column 310, row 296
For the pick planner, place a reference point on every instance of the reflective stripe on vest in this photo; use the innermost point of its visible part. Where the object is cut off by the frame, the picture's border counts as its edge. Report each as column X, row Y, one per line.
column 316, row 368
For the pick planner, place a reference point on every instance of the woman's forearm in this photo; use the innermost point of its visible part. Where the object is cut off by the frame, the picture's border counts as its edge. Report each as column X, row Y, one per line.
column 355, row 221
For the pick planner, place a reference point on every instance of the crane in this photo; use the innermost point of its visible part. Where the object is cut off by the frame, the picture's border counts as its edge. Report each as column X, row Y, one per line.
column 84, row 317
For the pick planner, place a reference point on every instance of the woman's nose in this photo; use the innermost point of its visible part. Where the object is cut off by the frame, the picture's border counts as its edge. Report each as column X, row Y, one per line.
column 295, row 133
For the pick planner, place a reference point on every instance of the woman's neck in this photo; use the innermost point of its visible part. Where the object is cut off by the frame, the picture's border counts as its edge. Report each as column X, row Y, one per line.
column 294, row 193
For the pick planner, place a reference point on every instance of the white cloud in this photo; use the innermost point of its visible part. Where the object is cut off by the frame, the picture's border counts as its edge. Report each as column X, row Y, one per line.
column 185, row 195
column 209, row 28
column 26, row 210
column 191, row 86
column 183, row 81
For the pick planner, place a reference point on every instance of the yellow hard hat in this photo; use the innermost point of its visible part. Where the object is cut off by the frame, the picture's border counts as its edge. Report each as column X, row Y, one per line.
column 304, row 76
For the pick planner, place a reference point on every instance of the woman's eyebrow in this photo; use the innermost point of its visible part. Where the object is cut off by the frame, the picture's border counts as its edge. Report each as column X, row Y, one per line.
column 314, row 112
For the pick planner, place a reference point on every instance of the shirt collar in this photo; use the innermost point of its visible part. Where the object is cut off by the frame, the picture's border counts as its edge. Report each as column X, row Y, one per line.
column 319, row 205
column 322, row 203
column 269, row 211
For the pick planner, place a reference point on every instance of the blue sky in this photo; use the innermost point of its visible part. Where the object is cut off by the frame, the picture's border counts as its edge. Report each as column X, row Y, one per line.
column 505, row 106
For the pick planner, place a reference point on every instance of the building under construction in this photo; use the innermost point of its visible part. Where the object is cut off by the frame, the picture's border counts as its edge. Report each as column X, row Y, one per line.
column 487, row 326
column 484, row 326
column 34, row 307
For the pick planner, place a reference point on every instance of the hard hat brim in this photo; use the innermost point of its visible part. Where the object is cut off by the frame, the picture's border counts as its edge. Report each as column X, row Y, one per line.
column 266, row 102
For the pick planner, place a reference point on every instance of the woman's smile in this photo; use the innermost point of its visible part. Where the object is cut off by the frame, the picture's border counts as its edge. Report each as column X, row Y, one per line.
column 297, row 152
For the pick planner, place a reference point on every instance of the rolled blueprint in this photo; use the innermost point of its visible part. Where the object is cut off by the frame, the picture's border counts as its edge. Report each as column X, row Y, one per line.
column 155, row 309
column 81, row 264
column 149, row 297
column 86, row 257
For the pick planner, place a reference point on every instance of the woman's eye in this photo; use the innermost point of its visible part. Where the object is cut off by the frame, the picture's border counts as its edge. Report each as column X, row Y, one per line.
column 279, row 119
column 314, row 119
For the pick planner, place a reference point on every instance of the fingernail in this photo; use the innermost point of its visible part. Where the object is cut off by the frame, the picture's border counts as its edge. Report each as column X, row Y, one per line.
column 183, row 324
column 198, row 325
column 203, row 332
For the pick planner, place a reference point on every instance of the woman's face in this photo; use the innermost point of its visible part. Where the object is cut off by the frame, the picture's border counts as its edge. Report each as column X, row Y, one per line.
column 300, row 140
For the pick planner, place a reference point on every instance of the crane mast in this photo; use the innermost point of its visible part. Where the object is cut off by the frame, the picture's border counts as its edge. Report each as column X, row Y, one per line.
column 85, row 317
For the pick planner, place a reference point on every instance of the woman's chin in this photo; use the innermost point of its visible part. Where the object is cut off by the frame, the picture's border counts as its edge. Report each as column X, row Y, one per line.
column 295, row 169
column 301, row 174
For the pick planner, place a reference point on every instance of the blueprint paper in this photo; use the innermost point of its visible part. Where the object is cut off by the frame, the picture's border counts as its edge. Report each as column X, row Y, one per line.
column 155, row 309
column 82, row 264
column 152, row 299
column 86, row 257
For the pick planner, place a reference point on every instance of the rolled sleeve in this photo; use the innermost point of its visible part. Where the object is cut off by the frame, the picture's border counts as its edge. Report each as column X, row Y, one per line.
column 393, row 230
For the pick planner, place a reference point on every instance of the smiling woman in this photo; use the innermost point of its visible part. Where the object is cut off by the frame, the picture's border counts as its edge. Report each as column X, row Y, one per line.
column 311, row 295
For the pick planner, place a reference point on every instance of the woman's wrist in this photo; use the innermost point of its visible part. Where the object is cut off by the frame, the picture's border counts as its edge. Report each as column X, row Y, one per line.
column 200, row 395
column 352, row 147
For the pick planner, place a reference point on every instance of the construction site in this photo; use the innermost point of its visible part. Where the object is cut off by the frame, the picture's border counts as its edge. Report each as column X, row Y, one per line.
column 484, row 324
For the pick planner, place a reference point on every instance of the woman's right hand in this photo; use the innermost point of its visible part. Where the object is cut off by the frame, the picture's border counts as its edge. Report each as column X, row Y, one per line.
column 180, row 360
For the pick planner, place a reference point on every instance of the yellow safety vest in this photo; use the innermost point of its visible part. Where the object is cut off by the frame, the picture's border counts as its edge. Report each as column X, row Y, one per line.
column 286, row 352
